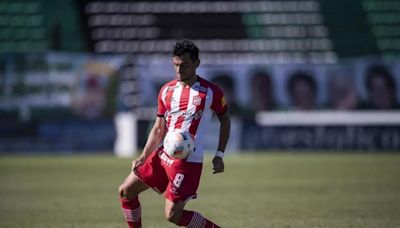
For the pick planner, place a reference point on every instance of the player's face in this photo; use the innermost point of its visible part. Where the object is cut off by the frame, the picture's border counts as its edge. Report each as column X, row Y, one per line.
column 185, row 67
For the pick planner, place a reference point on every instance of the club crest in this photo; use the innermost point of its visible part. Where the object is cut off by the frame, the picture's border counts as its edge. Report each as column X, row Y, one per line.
column 196, row 100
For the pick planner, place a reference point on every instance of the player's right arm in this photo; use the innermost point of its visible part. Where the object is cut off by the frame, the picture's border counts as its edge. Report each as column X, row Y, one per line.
column 158, row 131
column 156, row 136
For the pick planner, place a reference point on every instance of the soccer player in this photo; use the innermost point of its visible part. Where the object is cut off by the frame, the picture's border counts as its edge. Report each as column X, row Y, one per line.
column 185, row 104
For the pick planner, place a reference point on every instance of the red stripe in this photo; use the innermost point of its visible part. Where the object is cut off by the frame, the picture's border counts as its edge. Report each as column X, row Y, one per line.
column 195, row 122
column 183, row 104
column 170, row 91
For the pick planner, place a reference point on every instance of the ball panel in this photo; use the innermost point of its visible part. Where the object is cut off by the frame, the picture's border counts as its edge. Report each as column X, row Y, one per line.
column 178, row 144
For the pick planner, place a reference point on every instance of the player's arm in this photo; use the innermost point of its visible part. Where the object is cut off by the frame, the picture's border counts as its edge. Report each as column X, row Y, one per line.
column 225, row 127
column 156, row 136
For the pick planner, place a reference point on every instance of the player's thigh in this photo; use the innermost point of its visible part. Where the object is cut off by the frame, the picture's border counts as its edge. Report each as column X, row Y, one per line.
column 184, row 181
column 132, row 186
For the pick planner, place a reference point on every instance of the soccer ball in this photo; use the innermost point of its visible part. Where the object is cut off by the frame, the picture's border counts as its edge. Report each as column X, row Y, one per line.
column 178, row 144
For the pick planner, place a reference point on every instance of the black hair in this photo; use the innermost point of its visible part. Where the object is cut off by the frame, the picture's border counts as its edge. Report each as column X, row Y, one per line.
column 186, row 46
column 379, row 71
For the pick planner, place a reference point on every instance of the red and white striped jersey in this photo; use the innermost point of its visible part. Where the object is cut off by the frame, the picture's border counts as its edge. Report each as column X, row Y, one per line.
column 190, row 108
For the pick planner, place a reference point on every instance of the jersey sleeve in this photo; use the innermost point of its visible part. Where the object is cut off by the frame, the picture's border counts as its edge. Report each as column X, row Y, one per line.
column 219, row 104
column 161, row 109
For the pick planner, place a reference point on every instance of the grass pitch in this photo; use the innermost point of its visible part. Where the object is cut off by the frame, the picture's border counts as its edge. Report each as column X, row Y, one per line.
column 257, row 190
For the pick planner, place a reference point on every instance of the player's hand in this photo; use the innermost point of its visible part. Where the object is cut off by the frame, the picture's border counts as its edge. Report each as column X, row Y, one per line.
column 218, row 164
column 137, row 163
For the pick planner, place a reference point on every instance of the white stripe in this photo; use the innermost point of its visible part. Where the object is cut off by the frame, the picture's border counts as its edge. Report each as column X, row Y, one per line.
column 200, row 221
column 132, row 215
column 193, row 220
column 164, row 94
column 176, row 95
column 197, row 221
column 202, row 129
column 203, row 224
column 330, row 118
column 190, row 108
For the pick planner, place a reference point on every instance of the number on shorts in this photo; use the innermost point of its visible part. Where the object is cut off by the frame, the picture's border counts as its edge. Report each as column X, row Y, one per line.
column 178, row 179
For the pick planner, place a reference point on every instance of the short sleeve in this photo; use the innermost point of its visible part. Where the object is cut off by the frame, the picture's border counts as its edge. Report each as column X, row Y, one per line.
column 219, row 104
column 161, row 109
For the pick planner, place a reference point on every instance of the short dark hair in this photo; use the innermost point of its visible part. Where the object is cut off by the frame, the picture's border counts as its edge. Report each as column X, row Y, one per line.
column 186, row 46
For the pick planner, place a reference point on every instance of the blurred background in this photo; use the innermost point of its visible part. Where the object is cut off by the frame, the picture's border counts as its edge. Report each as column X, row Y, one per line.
column 318, row 80
column 79, row 76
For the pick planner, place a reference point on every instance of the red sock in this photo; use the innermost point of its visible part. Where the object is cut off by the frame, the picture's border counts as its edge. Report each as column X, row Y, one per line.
column 132, row 212
column 193, row 219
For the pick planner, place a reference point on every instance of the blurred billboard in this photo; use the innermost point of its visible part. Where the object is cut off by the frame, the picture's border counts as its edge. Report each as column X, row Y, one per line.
column 58, row 101
column 68, row 67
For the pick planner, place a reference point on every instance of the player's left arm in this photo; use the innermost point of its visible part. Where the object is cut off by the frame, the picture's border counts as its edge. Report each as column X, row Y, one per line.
column 224, row 131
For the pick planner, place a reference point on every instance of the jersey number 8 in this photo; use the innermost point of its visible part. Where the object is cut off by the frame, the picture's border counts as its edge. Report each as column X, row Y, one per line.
column 178, row 179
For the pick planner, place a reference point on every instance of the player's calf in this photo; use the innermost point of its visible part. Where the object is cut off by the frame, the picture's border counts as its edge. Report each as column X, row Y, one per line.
column 130, row 205
column 192, row 219
column 132, row 212
column 173, row 211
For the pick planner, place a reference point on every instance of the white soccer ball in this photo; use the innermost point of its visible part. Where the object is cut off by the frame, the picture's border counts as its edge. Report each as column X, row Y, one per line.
column 178, row 144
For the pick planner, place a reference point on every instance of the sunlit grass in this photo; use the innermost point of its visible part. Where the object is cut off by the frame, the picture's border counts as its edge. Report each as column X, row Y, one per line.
column 257, row 190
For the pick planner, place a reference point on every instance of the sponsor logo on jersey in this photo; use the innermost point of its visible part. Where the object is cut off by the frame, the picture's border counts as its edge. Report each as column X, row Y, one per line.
column 168, row 161
column 179, row 113
column 196, row 100
column 186, row 114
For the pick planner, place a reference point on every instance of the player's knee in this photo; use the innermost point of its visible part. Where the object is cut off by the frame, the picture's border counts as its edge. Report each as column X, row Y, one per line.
column 173, row 216
column 122, row 192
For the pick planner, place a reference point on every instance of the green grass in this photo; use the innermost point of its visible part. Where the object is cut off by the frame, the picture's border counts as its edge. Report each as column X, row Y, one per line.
column 257, row 190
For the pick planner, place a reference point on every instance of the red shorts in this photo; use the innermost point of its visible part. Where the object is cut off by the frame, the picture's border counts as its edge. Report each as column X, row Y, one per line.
column 178, row 178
